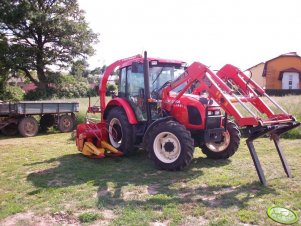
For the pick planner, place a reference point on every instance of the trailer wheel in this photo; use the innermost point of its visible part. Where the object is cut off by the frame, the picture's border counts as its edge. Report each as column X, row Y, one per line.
column 227, row 147
column 28, row 127
column 66, row 123
column 170, row 146
column 46, row 121
column 120, row 131
column 10, row 130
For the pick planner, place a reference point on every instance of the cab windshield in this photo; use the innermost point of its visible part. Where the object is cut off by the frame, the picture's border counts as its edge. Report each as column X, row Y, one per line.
column 162, row 74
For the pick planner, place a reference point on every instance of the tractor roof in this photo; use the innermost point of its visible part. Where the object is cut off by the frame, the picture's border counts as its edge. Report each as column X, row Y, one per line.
column 160, row 60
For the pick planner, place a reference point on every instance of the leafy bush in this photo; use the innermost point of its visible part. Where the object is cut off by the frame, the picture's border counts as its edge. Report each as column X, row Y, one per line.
column 62, row 86
column 40, row 94
column 93, row 92
column 293, row 134
column 111, row 88
column 80, row 118
column 72, row 89
column 12, row 93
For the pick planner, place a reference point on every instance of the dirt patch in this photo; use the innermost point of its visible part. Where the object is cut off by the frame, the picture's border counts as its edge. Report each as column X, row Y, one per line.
column 183, row 195
column 158, row 223
column 215, row 198
column 152, row 189
column 30, row 218
column 108, row 214
column 134, row 193
column 190, row 220
column 102, row 192
column 225, row 190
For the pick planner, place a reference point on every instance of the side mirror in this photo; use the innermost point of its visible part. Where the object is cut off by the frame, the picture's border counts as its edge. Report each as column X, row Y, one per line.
column 137, row 67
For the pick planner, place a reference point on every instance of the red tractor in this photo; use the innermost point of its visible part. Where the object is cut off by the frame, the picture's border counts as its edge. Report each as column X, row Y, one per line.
column 169, row 109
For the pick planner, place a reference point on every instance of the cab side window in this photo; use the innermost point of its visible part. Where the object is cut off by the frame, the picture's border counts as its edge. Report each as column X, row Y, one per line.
column 135, row 82
column 122, row 83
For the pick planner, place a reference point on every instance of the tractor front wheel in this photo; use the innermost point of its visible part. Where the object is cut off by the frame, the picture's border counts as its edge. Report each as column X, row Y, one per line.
column 227, row 147
column 120, row 131
column 170, row 146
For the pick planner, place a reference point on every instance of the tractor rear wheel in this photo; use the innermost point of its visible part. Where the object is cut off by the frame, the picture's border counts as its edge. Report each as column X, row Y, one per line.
column 227, row 147
column 120, row 131
column 170, row 146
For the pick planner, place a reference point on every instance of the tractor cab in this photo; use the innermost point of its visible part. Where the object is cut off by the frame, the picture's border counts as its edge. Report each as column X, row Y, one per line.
column 132, row 83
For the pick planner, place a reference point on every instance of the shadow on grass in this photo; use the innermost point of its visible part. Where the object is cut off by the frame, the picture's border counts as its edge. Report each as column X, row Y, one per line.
column 40, row 133
column 162, row 187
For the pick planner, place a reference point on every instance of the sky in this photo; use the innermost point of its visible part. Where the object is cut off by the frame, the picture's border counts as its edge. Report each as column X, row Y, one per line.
column 213, row 32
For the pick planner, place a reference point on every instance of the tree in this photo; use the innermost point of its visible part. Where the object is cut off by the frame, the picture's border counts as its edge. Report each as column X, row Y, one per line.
column 98, row 70
column 79, row 68
column 41, row 33
column 3, row 68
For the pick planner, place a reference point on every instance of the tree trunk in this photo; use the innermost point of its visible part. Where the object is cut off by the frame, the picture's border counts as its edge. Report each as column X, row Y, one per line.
column 42, row 78
column 28, row 75
column 40, row 63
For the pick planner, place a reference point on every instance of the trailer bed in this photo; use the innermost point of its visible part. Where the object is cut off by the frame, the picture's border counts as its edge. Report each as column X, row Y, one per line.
column 37, row 108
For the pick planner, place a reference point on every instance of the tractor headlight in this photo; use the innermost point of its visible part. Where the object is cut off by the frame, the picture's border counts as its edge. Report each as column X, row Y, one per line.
column 210, row 113
column 214, row 112
column 217, row 112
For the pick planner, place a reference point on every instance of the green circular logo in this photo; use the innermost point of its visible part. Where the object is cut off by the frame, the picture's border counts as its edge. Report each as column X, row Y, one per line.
column 282, row 215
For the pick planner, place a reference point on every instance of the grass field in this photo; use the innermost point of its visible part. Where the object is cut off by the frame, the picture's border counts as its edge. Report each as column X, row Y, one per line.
column 44, row 180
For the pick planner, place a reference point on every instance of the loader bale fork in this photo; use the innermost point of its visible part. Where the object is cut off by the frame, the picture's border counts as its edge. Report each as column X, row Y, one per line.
column 168, row 109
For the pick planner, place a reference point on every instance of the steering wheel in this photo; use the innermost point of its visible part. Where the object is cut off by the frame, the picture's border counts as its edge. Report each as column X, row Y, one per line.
column 156, row 93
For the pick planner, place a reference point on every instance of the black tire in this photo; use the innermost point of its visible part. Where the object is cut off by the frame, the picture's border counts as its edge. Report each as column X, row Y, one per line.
column 10, row 130
column 170, row 146
column 66, row 123
column 227, row 147
column 28, row 127
column 120, row 131
column 46, row 121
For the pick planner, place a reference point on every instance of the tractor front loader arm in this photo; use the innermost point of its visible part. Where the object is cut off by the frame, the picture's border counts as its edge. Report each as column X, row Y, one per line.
column 229, row 87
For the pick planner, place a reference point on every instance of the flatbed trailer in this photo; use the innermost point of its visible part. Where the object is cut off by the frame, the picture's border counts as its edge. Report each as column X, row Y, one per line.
column 19, row 116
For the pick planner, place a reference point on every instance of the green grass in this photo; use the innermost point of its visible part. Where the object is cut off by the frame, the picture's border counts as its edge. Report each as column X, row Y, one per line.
column 46, row 175
column 45, row 179
column 292, row 104
column 88, row 217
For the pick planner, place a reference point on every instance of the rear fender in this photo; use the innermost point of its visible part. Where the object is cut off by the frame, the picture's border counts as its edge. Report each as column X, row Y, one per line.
column 120, row 102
